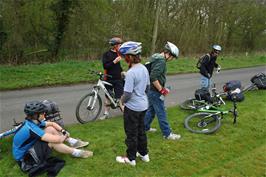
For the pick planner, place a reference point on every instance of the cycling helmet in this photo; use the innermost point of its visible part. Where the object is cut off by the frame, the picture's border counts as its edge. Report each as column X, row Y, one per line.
column 115, row 41
column 33, row 107
column 172, row 49
column 217, row 47
column 130, row 48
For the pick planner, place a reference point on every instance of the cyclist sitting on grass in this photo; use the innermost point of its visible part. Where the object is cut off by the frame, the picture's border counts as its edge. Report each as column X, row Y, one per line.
column 36, row 137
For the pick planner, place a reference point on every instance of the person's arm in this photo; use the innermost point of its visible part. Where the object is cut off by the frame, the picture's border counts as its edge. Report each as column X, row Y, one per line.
column 50, row 138
column 157, row 85
column 109, row 62
column 55, row 125
column 125, row 97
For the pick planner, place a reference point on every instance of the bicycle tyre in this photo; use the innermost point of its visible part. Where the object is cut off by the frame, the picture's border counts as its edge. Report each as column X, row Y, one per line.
column 191, row 104
column 195, row 123
column 83, row 113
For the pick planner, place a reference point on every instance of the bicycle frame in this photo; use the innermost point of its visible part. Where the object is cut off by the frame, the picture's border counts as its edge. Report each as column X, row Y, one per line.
column 100, row 85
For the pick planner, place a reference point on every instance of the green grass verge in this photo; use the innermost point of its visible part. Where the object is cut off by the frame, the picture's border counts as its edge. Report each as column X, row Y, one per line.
column 72, row 72
column 233, row 151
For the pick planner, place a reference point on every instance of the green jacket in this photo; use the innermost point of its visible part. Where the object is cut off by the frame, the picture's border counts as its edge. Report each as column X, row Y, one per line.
column 158, row 70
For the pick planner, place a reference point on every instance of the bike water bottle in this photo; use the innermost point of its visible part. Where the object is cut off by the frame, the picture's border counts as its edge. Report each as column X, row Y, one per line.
column 162, row 97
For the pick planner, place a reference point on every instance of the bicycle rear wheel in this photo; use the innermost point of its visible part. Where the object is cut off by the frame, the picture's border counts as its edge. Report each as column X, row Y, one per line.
column 192, row 104
column 202, row 122
column 88, row 108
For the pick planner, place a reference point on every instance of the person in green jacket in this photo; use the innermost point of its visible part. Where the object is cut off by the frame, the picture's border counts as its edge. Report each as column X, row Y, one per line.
column 158, row 91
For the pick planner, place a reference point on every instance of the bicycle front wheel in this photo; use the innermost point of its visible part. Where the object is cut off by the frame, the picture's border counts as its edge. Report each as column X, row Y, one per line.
column 202, row 122
column 192, row 104
column 88, row 108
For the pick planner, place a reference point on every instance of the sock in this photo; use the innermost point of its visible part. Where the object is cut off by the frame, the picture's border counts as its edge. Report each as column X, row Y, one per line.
column 71, row 141
column 106, row 113
column 76, row 153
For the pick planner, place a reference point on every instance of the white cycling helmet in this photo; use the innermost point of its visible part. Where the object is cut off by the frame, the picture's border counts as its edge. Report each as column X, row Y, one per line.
column 172, row 49
column 130, row 47
column 217, row 47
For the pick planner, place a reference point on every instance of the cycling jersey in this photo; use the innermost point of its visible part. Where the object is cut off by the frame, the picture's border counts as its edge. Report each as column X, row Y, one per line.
column 25, row 138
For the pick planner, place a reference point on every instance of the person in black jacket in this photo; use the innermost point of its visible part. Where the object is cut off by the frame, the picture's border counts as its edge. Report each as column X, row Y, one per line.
column 111, row 64
column 207, row 66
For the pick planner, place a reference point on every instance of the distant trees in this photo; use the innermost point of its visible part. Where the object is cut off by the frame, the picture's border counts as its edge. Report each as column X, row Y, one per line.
column 48, row 30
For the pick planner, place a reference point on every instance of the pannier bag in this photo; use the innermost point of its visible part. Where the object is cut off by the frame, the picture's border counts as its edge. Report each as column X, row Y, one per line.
column 203, row 94
column 235, row 95
column 259, row 80
column 232, row 85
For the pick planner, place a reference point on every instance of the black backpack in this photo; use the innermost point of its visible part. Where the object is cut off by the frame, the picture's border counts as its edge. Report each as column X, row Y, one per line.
column 148, row 66
column 203, row 94
column 201, row 60
column 259, row 80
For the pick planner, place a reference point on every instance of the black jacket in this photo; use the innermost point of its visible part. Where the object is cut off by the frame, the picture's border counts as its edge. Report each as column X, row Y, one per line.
column 111, row 69
column 207, row 65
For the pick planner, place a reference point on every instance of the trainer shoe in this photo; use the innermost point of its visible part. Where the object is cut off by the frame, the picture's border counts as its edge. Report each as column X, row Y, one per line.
column 173, row 136
column 125, row 160
column 85, row 154
column 80, row 144
column 152, row 130
column 105, row 116
column 144, row 158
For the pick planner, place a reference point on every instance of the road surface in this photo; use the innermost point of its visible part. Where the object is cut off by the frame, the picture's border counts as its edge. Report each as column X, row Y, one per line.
column 67, row 97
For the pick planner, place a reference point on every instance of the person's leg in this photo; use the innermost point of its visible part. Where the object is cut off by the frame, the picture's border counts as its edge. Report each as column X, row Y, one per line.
column 62, row 148
column 130, row 126
column 118, row 89
column 75, row 143
column 204, row 82
column 107, row 103
column 142, row 138
column 150, row 114
column 159, row 109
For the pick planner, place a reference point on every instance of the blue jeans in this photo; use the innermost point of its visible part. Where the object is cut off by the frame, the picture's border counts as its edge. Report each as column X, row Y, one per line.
column 205, row 82
column 156, row 107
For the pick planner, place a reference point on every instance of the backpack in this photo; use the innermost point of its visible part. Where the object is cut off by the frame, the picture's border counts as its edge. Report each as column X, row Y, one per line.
column 148, row 66
column 203, row 94
column 201, row 60
column 259, row 80
column 232, row 85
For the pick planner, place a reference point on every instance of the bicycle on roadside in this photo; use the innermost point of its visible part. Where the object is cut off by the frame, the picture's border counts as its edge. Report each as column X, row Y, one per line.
column 208, row 118
column 216, row 99
column 90, row 106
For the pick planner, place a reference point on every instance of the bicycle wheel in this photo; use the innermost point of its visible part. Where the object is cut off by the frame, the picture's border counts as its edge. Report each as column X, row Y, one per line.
column 203, row 122
column 192, row 104
column 88, row 108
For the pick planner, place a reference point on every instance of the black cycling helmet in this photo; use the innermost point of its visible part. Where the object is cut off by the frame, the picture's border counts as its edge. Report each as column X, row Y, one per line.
column 33, row 107
column 115, row 40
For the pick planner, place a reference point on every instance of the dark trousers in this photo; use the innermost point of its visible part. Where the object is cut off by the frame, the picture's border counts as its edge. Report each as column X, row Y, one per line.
column 117, row 88
column 136, row 139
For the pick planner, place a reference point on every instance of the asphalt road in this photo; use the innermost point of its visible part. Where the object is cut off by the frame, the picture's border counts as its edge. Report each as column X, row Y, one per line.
column 67, row 97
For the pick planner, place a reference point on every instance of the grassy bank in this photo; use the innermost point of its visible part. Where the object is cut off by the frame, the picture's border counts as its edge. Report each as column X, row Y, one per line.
column 70, row 72
column 233, row 151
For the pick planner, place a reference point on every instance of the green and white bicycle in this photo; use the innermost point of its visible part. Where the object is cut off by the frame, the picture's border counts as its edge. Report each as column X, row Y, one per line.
column 208, row 118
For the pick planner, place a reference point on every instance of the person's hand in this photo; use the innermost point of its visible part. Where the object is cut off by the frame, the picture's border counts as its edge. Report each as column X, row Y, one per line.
column 65, row 133
column 122, row 107
column 117, row 59
column 218, row 69
column 164, row 91
column 123, row 74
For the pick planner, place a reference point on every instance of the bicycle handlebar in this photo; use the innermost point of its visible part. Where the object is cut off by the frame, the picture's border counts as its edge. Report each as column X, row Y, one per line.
column 102, row 75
